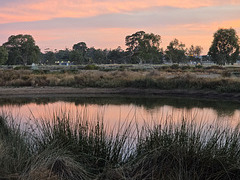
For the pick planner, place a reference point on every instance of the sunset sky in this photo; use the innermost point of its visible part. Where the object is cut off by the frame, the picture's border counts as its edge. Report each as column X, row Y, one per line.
column 58, row 24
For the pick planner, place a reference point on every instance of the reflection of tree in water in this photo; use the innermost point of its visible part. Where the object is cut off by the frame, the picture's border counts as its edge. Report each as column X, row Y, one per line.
column 225, row 110
column 222, row 108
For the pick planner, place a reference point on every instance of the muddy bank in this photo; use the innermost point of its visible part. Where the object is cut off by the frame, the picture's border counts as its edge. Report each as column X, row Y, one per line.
column 73, row 92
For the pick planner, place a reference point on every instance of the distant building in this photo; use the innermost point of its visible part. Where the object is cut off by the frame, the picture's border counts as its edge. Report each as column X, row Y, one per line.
column 63, row 63
column 34, row 66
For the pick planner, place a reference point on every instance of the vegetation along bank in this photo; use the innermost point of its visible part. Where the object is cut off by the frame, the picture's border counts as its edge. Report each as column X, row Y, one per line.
column 169, row 78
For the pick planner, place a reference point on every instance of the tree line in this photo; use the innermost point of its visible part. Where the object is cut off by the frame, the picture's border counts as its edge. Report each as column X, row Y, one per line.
column 141, row 48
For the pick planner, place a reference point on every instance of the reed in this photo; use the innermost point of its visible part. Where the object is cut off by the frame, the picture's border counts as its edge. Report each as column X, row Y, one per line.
column 82, row 148
column 187, row 151
column 14, row 147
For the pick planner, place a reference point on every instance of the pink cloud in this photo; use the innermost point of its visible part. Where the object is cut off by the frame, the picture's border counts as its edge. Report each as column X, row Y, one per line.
column 46, row 9
column 196, row 34
column 110, row 33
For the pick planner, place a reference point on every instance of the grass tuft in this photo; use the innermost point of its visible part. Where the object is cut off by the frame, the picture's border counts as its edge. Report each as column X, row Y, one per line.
column 79, row 148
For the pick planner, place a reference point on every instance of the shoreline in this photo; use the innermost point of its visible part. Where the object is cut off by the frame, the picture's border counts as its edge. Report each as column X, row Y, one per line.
column 46, row 91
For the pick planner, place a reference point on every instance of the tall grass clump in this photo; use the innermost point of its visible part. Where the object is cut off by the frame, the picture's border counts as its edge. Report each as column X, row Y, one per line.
column 187, row 151
column 87, row 146
column 80, row 148
column 14, row 148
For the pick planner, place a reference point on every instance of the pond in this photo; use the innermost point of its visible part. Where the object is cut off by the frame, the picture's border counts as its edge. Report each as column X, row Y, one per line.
column 119, row 109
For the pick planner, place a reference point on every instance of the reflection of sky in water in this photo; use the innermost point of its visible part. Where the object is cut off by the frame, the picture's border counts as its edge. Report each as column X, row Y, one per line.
column 113, row 114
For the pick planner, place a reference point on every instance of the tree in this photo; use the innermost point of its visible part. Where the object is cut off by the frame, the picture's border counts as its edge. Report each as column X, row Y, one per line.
column 175, row 51
column 117, row 56
column 143, row 47
column 3, row 55
column 225, row 47
column 81, row 46
column 97, row 56
column 198, row 50
column 22, row 50
column 194, row 53
column 78, row 54
column 77, row 57
column 49, row 57
column 63, row 55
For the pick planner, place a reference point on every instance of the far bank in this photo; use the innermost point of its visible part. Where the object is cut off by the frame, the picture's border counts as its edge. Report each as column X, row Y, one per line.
column 175, row 80
column 10, row 92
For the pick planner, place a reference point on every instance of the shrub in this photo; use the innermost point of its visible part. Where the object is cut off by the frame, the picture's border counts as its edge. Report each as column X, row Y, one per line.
column 53, row 81
column 122, row 68
column 19, row 83
column 215, row 67
column 68, row 80
column 91, row 67
column 164, row 67
column 199, row 66
column 186, row 67
column 36, row 71
column 175, row 66
column 226, row 73
column 39, row 80
column 72, row 71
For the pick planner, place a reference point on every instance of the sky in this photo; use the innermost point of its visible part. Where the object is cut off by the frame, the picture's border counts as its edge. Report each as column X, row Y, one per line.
column 59, row 24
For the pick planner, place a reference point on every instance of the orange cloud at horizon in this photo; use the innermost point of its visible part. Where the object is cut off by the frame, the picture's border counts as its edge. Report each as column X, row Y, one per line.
column 196, row 34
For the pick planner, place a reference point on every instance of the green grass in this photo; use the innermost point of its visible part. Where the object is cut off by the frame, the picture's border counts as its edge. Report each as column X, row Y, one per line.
column 78, row 148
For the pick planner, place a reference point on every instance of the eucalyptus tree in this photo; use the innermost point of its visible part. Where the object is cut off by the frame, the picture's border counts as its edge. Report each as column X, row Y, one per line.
column 49, row 57
column 78, row 54
column 194, row 52
column 3, row 55
column 117, row 56
column 22, row 50
column 143, row 47
column 225, row 47
column 176, row 51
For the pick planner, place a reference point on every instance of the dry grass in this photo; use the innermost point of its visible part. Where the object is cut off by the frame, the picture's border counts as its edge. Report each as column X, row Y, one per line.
column 222, row 80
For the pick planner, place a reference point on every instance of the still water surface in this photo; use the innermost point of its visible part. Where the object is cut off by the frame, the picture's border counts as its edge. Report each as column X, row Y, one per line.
column 117, row 109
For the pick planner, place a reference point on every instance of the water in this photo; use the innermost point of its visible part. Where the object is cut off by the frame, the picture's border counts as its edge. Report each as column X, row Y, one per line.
column 119, row 109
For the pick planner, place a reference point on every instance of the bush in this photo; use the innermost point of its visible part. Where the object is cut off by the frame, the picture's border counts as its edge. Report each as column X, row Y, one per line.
column 226, row 73
column 175, row 66
column 164, row 67
column 122, row 68
column 19, row 83
column 199, row 66
column 215, row 67
column 91, row 67
column 72, row 71
column 39, row 80
column 186, row 67
column 36, row 71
